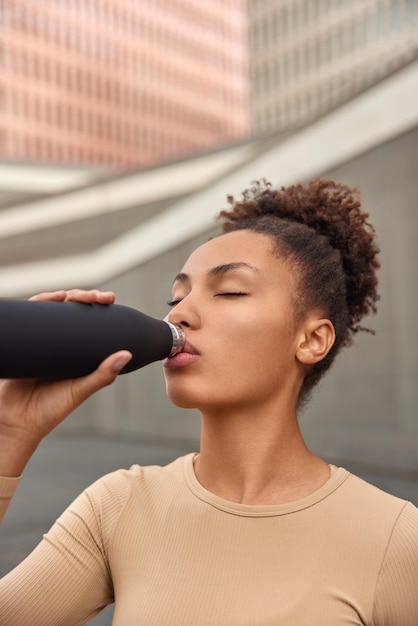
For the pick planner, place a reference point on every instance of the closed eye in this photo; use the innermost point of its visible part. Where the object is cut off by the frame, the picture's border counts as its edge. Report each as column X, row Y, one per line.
column 226, row 294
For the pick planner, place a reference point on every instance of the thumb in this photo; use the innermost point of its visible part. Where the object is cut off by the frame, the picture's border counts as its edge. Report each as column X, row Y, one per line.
column 104, row 375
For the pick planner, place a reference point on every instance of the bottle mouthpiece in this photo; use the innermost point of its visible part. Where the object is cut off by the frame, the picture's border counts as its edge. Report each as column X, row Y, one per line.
column 179, row 339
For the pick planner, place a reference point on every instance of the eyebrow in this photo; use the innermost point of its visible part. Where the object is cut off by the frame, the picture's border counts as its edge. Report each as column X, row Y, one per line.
column 218, row 270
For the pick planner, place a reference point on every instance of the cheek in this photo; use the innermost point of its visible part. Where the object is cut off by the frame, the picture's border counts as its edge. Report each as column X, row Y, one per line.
column 262, row 339
column 256, row 355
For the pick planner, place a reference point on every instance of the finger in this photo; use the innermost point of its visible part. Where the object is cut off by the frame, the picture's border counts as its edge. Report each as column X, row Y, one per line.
column 105, row 297
column 91, row 296
column 50, row 295
column 77, row 295
column 105, row 374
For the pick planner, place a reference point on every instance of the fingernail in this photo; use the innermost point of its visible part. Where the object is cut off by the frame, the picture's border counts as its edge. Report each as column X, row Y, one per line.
column 120, row 363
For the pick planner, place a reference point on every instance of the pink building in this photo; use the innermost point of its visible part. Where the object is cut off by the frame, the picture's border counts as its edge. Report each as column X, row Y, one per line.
column 120, row 82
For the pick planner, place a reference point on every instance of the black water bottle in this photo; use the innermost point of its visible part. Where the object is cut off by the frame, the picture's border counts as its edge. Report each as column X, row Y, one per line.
column 70, row 339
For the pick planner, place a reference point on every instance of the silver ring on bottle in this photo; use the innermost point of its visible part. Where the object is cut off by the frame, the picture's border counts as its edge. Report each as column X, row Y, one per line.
column 178, row 339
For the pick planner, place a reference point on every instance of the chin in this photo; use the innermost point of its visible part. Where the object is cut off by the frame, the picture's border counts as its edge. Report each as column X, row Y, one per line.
column 184, row 399
column 182, row 403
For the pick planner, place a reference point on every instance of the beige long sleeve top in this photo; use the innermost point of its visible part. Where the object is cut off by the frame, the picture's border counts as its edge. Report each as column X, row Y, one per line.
column 168, row 552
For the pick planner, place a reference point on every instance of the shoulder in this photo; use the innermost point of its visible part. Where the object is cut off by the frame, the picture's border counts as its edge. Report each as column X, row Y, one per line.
column 403, row 542
column 118, row 495
column 366, row 516
column 366, row 499
column 111, row 493
column 119, row 484
column 396, row 596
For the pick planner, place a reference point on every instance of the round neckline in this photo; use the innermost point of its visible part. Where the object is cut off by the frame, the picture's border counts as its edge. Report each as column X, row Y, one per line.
column 337, row 477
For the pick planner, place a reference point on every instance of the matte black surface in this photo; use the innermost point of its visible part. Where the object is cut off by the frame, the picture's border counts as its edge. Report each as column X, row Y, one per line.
column 70, row 339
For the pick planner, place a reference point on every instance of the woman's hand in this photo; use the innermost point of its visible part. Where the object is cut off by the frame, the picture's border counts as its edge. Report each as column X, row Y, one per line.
column 30, row 409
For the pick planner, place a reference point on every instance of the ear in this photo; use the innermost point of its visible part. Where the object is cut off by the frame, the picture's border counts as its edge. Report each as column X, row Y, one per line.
column 316, row 341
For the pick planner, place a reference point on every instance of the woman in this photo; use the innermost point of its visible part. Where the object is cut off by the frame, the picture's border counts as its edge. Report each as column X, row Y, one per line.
column 255, row 529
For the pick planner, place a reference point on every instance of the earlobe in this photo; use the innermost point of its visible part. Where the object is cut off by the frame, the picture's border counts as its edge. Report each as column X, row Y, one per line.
column 318, row 339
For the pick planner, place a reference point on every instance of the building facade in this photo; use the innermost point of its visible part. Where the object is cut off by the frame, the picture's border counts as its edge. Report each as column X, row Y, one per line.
column 119, row 82
column 309, row 56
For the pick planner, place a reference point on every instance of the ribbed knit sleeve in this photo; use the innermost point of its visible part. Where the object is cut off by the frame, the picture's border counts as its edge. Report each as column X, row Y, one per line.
column 396, row 600
column 8, row 487
column 66, row 579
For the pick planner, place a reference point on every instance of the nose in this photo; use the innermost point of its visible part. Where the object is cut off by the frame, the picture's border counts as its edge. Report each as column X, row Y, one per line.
column 184, row 314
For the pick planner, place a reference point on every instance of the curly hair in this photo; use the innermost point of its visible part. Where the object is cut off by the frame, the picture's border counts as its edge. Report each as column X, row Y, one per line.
column 321, row 228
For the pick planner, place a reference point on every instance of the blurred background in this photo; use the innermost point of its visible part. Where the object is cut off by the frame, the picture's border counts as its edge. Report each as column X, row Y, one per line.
column 124, row 124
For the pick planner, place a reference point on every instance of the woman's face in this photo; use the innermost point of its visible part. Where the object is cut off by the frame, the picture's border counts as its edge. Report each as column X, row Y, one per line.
column 233, row 299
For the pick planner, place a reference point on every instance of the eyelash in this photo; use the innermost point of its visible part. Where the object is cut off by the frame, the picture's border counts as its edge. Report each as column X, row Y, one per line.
column 226, row 294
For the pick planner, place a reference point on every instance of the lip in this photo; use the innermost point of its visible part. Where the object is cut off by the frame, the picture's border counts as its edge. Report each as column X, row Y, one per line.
column 190, row 349
column 189, row 354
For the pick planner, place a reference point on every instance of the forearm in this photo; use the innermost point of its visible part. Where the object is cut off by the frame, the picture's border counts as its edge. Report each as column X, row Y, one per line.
column 15, row 452
column 8, row 487
column 14, row 455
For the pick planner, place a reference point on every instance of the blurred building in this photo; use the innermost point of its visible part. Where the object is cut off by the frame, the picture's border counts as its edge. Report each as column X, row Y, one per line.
column 309, row 56
column 120, row 82
column 132, row 232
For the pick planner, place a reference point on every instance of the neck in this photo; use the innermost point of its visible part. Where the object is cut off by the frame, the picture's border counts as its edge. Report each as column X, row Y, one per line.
column 257, row 458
